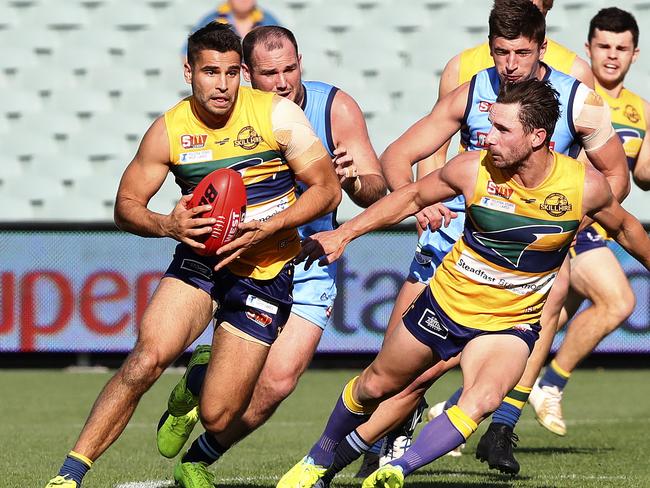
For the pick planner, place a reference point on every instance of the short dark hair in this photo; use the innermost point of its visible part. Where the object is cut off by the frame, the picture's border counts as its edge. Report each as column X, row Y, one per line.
column 511, row 19
column 613, row 19
column 539, row 104
column 213, row 37
column 272, row 37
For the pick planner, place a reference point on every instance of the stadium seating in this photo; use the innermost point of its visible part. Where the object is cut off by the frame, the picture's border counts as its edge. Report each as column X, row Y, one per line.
column 86, row 77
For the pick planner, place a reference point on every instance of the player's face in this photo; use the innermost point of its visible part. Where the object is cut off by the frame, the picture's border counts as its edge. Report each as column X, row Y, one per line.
column 516, row 59
column 214, row 77
column 242, row 7
column 277, row 71
column 507, row 141
column 611, row 54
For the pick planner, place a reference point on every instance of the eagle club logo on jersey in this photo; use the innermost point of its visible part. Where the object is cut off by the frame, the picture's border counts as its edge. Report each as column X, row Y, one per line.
column 503, row 191
column 484, row 106
column 193, row 141
column 556, row 205
column 247, row 138
column 480, row 139
column 631, row 114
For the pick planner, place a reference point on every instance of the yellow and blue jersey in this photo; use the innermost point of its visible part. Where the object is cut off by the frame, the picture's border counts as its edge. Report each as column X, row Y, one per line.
column 629, row 121
column 478, row 58
column 514, row 242
column 245, row 144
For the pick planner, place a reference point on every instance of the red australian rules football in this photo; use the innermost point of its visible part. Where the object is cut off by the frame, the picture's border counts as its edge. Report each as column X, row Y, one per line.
column 223, row 189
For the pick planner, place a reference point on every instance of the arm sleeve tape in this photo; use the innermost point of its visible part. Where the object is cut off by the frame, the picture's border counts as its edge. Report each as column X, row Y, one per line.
column 592, row 113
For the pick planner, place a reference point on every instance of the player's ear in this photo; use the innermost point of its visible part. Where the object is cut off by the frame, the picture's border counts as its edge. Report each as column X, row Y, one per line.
column 246, row 71
column 300, row 62
column 636, row 54
column 588, row 50
column 538, row 138
column 187, row 72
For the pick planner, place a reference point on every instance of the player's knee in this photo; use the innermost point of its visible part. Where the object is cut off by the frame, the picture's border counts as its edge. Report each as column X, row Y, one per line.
column 141, row 368
column 374, row 387
column 619, row 310
column 485, row 401
column 216, row 418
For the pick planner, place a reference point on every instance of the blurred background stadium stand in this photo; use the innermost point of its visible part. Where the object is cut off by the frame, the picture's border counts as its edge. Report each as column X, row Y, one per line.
column 82, row 79
column 80, row 82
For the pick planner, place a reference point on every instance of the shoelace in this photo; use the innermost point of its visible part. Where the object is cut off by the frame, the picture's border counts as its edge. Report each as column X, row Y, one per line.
column 203, row 473
column 507, row 440
column 60, row 480
column 552, row 401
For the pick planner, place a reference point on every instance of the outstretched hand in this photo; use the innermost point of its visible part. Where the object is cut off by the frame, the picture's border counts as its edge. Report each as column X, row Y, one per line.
column 326, row 247
column 435, row 216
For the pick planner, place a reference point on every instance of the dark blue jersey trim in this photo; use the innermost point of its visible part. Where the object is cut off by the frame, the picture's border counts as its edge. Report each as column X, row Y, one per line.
column 569, row 114
column 328, row 119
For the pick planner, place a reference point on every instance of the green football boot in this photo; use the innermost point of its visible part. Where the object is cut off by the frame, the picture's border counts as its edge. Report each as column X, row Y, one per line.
column 193, row 475
column 305, row 474
column 61, row 482
column 181, row 400
column 387, row 476
column 173, row 432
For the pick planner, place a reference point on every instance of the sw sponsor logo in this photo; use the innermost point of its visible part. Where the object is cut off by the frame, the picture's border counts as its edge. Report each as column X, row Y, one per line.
column 484, row 106
column 480, row 139
column 551, row 145
column 193, row 141
column 258, row 317
column 247, row 138
column 499, row 190
column 430, row 323
column 556, row 205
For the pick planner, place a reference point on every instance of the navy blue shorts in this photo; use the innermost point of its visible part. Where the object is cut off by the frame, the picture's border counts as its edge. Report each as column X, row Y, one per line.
column 258, row 308
column 432, row 327
column 586, row 240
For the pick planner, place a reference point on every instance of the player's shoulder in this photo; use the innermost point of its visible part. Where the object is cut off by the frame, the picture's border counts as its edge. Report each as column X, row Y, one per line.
column 555, row 47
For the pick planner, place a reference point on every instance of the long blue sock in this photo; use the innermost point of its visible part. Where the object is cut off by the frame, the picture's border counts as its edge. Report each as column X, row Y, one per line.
column 510, row 409
column 75, row 467
column 349, row 450
column 346, row 417
column 555, row 376
column 205, row 449
column 438, row 437
column 376, row 447
column 195, row 378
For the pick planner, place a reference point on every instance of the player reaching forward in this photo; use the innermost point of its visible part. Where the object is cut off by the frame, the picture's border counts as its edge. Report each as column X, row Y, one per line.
column 272, row 63
column 269, row 141
column 612, row 47
column 486, row 297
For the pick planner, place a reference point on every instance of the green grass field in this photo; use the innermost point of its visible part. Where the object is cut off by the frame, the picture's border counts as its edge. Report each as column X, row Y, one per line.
column 607, row 445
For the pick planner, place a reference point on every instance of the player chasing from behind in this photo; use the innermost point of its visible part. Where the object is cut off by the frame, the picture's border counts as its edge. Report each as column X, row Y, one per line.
column 272, row 63
column 486, row 298
column 270, row 142
column 596, row 275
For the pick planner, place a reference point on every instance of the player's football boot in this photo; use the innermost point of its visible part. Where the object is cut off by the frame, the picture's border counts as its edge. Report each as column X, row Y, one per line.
column 388, row 476
column 436, row 411
column 181, row 400
column 547, row 403
column 305, row 474
column 398, row 441
column 173, row 432
column 193, row 475
column 495, row 447
column 61, row 482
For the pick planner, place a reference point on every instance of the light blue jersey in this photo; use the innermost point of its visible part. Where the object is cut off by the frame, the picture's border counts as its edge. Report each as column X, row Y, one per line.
column 314, row 289
column 483, row 92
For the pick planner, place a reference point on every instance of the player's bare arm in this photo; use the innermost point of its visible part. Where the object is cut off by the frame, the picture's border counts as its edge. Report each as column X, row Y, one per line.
column 142, row 178
column 603, row 147
column 424, row 138
column 641, row 173
column 600, row 204
column 455, row 178
column 581, row 70
column 311, row 164
column 355, row 159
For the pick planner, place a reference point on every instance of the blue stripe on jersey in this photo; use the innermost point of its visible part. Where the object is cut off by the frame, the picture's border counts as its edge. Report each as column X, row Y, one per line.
column 271, row 187
column 317, row 105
